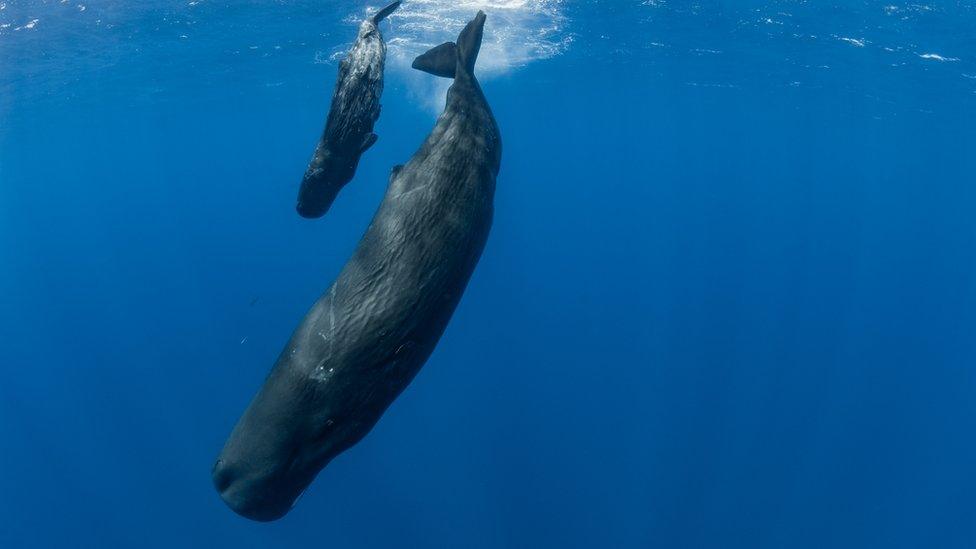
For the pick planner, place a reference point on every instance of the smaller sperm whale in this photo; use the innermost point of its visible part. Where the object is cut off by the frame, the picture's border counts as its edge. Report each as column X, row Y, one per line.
column 349, row 128
column 366, row 338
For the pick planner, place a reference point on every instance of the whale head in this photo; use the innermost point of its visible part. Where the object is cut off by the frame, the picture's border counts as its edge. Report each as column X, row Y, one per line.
column 327, row 174
column 285, row 437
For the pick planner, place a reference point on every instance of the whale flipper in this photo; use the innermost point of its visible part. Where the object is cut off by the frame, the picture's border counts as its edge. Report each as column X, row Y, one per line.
column 368, row 142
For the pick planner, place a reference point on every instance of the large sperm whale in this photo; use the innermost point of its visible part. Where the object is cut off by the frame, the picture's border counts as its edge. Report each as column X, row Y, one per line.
column 349, row 128
column 366, row 338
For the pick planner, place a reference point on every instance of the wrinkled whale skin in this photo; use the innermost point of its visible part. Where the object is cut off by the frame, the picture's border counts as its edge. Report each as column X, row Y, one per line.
column 367, row 337
column 348, row 130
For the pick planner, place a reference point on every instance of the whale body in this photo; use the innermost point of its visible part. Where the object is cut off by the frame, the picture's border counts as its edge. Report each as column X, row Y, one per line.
column 367, row 337
column 349, row 128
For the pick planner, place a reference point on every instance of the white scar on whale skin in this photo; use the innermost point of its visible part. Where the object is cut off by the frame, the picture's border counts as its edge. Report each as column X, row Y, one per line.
column 332, row 322
column 320, row 373
column 522, row 31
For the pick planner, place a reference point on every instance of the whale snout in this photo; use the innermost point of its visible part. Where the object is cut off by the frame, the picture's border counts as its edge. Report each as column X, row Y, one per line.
column 273, row 454
column 317, row 194
column 312, row 209
column 251, row 498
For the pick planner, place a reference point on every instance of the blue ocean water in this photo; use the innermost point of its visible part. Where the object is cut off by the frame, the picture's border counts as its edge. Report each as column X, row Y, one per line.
column 729, row 299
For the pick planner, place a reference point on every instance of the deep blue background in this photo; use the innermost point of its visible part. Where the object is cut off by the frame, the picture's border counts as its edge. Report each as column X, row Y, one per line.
column 729, row 299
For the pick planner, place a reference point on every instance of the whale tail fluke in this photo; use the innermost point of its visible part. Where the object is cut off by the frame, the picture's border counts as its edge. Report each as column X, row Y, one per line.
column 444, row 60
column 439, row 60
column 469, row 42
column 383, row 13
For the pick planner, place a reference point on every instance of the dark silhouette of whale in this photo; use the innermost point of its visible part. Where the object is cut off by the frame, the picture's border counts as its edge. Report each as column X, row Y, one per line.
column 367, row 337
column 349, row 129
